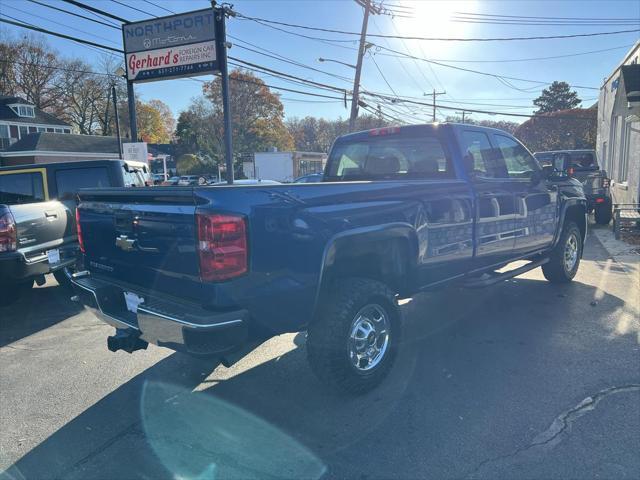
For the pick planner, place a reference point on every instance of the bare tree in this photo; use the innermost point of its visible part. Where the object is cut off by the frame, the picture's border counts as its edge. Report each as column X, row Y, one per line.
column 36, row 71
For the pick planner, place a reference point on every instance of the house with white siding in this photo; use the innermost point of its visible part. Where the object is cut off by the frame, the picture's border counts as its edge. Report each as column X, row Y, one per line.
column 618, row 141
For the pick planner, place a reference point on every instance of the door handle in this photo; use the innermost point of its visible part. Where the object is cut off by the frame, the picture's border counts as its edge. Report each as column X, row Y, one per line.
column 51, row 215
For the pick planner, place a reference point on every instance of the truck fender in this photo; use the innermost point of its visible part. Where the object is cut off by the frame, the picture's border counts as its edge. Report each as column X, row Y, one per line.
column 576, row 208
column 398, row 239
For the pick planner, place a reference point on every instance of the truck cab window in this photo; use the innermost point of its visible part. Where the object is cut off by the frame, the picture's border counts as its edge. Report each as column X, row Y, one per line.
column 520, row 163
column 480, row 158
column 388, row 158
column 21, row 188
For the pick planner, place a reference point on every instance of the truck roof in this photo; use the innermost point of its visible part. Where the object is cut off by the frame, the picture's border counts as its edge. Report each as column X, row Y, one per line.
column 423, row 127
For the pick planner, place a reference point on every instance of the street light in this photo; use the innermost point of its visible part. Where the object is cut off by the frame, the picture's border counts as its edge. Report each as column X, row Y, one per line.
column 336, row 61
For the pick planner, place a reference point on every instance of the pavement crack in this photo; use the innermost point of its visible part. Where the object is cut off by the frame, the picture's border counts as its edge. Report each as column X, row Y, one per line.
column 561, row 424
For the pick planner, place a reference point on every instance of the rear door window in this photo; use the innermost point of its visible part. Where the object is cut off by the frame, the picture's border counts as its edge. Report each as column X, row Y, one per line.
column 480, row 158
column 388, row 158
column 70, row 180
column 21, row 188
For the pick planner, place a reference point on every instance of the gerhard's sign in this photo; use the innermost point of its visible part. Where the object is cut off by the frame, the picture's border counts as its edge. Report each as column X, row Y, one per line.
column 171, row 47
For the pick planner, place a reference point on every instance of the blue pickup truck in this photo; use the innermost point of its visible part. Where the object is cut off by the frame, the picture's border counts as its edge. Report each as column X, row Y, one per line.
column 212, row 270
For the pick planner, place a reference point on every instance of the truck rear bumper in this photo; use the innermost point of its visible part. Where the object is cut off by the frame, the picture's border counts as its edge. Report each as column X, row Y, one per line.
column 181, row 327
column 15, row 267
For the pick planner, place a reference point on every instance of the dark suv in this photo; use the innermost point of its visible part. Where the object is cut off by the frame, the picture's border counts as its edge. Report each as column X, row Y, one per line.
column 37, row 217
column 583, row 166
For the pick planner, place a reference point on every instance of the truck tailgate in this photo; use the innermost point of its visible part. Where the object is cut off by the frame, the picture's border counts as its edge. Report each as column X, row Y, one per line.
column 145, row 238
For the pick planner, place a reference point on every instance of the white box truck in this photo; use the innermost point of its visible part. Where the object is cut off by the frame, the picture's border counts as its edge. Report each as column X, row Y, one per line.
column 284, row 166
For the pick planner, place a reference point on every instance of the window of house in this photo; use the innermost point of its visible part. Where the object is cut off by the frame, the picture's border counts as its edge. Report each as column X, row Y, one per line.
column 26, row 111
column 480, row 158
column 42, row 129
column 49, row 129
column 520, row 164
column 58, row 130
column 613, row 141
column 4, row 131
column 66, row 130
column 623, row 167
column 20, row 188
column 23, row 131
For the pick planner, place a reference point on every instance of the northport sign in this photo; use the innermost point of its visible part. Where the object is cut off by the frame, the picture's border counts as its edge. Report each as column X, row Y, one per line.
column 176, row 46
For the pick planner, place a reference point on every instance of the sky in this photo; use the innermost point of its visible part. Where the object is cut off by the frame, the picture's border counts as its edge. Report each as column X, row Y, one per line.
column 382, row 73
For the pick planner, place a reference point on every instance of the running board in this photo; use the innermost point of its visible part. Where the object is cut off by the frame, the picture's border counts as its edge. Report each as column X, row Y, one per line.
column 492, row 278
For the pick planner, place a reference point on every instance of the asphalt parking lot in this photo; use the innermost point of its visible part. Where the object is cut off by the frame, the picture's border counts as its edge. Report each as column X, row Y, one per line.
column 521, row 380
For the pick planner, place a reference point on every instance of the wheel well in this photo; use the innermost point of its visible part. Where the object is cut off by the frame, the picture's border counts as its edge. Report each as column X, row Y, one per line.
column 385, row 260
column 576, row 213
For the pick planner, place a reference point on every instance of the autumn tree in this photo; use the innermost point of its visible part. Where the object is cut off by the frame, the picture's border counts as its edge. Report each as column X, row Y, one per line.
column 558, row 96
column 152, row 126
column 257, row 115
column 566, row 129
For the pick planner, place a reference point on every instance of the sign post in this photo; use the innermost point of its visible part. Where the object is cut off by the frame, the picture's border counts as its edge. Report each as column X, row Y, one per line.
column 182, row 45
column 221, row 40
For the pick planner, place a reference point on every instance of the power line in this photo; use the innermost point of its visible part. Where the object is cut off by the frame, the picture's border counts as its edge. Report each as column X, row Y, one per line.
column 159, row 6
column 84, row 6
column 503, row 77
column 440, row 39
column 64, row 69
column 132, row 8
column 110, row 25
column 19, row 23
column 542, row 18
column 62, row 25
column 524, row 59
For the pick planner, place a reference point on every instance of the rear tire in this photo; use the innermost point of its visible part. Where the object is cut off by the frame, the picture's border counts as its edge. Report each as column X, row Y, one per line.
column 603, row 214
column 565, row 257
column 353, row 342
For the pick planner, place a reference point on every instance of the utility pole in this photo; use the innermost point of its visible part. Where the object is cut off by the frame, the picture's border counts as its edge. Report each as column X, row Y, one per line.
column 434, row 102
column 361, row 50
column 461, row 113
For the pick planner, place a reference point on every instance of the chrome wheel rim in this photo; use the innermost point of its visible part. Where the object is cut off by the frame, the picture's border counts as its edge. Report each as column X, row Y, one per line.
column 571, row 252
column 369, row 337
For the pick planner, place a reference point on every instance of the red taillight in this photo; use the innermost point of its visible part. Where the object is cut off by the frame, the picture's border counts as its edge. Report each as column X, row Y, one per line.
column 79, row 230
column 8, row 234
column 600, row 200
column 222, row 246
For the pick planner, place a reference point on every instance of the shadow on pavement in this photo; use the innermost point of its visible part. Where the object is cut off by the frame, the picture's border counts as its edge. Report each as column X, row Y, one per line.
column 474, row 362
column 36, row 310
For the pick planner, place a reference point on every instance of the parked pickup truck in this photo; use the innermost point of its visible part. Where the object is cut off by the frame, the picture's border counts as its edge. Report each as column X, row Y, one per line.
column 37, row 207
column 583, row 165
column 214, row 269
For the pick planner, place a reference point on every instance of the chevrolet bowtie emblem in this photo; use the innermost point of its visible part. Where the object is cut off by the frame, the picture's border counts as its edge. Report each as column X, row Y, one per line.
column 125, row 243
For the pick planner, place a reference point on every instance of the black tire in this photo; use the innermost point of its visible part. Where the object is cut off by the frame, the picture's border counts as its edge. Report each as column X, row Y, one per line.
column 557, row 269
column 603, row 214
column 328, row 337
column 11, row 293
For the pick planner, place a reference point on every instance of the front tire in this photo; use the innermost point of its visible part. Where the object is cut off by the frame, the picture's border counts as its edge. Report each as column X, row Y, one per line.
column 565, row 257
column 353, row 342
